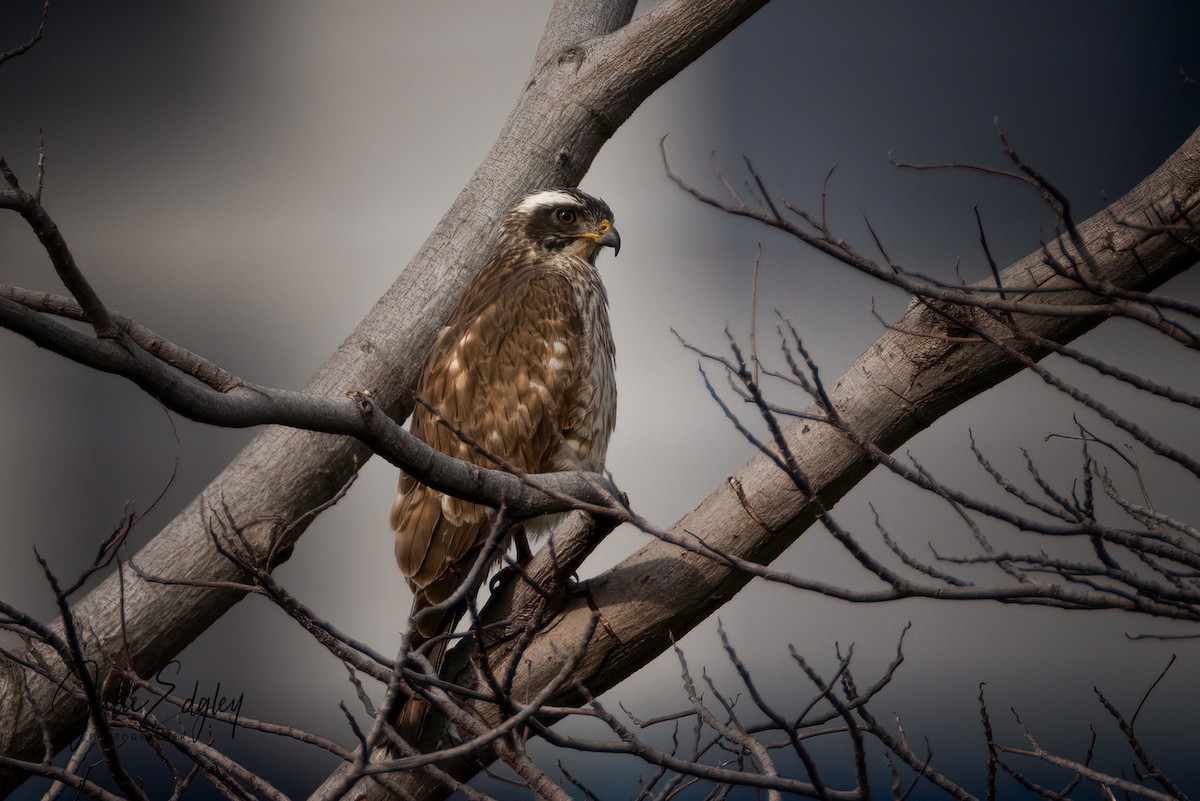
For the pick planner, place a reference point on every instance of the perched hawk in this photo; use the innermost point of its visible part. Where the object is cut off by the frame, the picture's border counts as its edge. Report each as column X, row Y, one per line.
column 525, row 370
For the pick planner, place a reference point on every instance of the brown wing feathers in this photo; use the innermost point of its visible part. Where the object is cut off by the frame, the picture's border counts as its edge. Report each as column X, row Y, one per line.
column 501, row 376
column 509, row 372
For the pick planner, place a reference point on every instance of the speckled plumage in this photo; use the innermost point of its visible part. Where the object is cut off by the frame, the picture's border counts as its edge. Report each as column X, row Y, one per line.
column 524, row 368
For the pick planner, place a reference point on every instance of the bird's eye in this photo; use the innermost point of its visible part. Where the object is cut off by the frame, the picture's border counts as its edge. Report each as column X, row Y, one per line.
column 565, row 216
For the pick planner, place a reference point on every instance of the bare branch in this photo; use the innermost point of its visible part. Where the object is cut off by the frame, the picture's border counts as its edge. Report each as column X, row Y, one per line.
column 33, row 40
column 30, row 208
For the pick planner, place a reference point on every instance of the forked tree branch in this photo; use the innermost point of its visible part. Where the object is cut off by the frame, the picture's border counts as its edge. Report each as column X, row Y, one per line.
column 592, row 71
column 241, row 405
column 911, row 376
column 661, row 592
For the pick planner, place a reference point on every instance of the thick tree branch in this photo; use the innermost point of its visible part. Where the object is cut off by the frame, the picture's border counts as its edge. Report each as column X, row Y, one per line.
column 356, row 415
column 577, row 95
column 908, row 379
column 661, row 592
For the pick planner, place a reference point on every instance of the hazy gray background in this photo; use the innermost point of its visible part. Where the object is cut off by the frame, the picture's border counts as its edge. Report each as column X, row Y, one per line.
column 247, row 178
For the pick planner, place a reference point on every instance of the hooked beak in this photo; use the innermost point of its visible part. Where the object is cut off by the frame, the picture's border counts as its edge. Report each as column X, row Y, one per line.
column 610, row 238
column 604, row 236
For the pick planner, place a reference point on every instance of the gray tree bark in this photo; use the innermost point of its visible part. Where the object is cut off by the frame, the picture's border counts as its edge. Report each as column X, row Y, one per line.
column 592, row 69
column 910, row 377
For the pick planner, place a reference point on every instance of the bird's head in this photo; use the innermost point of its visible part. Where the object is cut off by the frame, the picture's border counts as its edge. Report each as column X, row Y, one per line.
column 565, row 220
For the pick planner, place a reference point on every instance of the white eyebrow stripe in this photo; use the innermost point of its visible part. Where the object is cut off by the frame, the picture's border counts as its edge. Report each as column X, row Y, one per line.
column 549, row 197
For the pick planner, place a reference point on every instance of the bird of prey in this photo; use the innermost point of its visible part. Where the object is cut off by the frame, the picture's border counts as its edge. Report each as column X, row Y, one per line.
column 524, row 371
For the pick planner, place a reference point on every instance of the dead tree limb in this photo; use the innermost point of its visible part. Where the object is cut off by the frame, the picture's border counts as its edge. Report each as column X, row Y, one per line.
column 593, row 68
column 910, row 377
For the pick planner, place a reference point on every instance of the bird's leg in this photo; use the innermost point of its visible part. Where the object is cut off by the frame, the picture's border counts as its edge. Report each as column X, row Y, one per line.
column 509, row 572
column 524, row 554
